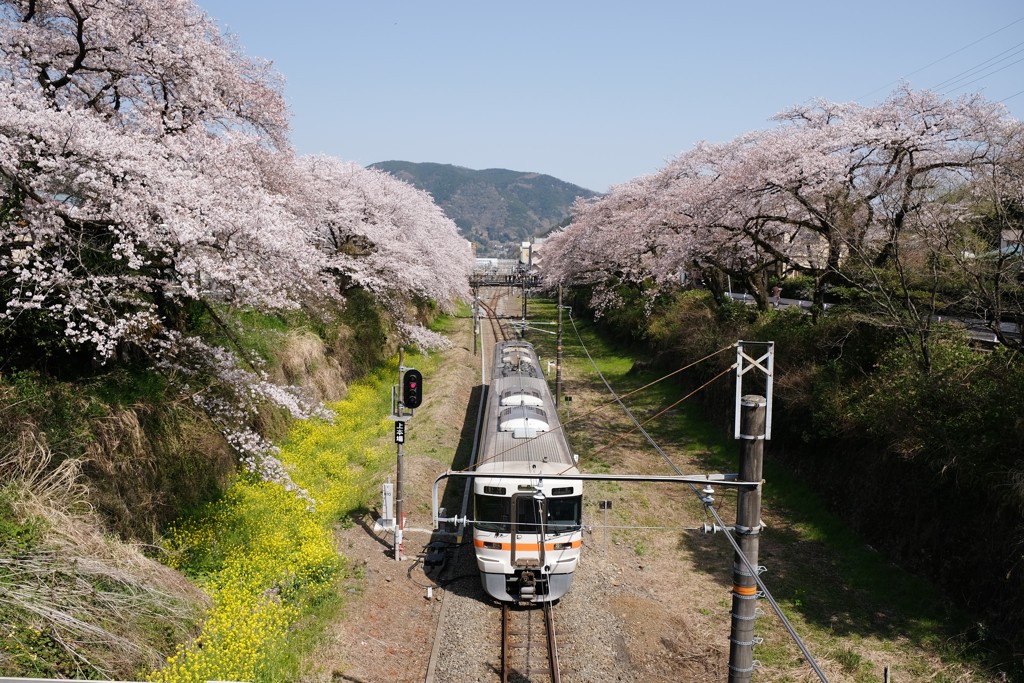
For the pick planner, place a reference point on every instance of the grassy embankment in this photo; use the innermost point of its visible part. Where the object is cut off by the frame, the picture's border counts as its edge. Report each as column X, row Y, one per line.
column 267, row 556
column 90, row 467
column 852, row 607
column 121, row 451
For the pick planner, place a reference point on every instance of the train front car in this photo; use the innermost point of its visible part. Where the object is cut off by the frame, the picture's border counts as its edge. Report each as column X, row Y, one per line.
column 527, row 534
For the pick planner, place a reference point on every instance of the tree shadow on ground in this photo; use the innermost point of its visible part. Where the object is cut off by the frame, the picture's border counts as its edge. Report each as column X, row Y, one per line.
column 447, row 558
column 848, row 593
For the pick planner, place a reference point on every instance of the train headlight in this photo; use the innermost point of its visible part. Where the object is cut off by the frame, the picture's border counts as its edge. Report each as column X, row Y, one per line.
column 491, row 545
column 563, row 546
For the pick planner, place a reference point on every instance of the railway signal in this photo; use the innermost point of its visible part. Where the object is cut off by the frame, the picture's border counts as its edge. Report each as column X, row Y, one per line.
column 411, row 397
column 412, row 388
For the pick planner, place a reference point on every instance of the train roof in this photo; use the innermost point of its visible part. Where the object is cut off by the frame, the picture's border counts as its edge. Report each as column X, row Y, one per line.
column 532, row 431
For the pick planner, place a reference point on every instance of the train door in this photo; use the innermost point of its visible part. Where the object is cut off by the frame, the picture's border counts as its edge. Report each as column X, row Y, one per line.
column 528, row 515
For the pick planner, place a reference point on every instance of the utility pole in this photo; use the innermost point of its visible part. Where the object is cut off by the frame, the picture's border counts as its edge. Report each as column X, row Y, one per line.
column 523, row 276
column 476, row 317
column 748, row 528
column 525, row 265
column 558, row 353
column 399, row 502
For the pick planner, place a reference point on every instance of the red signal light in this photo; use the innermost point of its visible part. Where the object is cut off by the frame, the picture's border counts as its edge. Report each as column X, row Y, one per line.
column 412, row 388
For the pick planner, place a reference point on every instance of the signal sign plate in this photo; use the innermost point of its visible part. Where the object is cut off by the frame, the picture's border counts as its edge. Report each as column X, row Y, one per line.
column 399, row 431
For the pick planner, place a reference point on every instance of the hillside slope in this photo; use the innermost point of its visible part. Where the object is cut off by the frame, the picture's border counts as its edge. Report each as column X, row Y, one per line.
column 494, row 208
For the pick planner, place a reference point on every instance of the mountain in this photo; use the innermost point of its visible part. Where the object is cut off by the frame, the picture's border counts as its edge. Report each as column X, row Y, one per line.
column 495, row 208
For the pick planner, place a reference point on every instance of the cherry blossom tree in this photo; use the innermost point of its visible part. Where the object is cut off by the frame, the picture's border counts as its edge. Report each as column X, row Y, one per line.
column 383, row 235
column 652, row 230
column 610, row 242
column 130, row 142
column 145, row 168
column 888, row 196
column 132, row 138
column 848, row 194
column 155, row 66
column 985, row 247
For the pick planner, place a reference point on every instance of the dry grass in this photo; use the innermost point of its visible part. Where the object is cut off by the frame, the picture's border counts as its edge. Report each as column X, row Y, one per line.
column 94, row 602
column 304, row 361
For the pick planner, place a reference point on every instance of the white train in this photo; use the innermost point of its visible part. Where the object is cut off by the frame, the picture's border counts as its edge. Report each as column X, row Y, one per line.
column 527, row 531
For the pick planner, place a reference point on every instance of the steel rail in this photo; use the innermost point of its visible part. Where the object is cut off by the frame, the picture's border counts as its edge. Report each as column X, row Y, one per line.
column 549, row 626
column 496, row 327
column 528, row 638
column 504, row 642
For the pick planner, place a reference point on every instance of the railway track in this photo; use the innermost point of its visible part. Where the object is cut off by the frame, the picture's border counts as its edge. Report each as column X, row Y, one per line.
column 497, row 327
column 529, row 648
column 528, row 643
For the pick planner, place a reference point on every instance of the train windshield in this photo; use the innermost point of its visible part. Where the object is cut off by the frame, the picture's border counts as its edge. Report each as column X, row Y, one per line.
column 526, row 515
column 492, row 514
column 564, row 514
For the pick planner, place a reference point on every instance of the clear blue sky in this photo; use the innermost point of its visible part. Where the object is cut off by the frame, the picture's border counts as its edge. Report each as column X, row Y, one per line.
column 596, row 92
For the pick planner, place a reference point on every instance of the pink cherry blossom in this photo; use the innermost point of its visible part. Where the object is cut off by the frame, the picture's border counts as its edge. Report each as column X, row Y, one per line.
column 145, row 166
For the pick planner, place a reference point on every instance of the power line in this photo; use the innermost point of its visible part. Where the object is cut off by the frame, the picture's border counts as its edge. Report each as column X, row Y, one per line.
column 964, row 85
column 951, row 81
column 1011, row 96
column 944, row 57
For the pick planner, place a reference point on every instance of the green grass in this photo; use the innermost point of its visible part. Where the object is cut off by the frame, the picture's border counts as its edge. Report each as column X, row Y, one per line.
column 614, row 361
column 446, row 324
column 17, row 534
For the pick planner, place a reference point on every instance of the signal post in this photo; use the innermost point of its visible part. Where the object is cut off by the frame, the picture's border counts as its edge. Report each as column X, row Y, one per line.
column 410, row 381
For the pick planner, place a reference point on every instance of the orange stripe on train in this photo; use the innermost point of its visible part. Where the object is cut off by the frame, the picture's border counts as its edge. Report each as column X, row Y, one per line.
column 525, row 546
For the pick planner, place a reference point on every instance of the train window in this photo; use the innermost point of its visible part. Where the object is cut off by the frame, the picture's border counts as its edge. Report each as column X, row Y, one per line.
column 523, row 413
column 492, row 514
column 564, row 514
column 526, row 516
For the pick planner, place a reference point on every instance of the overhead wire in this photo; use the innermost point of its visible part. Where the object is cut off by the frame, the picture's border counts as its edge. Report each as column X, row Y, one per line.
column 640, row 426
column 943, row 58
column 1007, row 99
column 732, row 541
column 952, row 80
column 982, row 77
